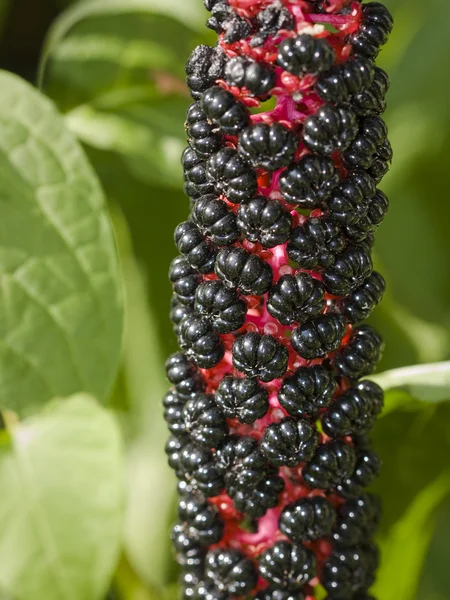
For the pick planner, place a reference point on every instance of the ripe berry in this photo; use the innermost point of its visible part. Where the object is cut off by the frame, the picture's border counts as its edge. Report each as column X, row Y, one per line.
column 349, row 571
column 307, row 391
column 372, row 99
column 355, row 411
column 330, row 128
column 222, row 107
column 196, row 182
column 247, row 272
column 200, row 342
column 230, row 174
column 204, row 420
column 205, row 65
column 359, row 304
column 270, row 21
column 289, row 442
column 316, row 243
column 254, row 502
column 173, row 412
column 257, row 78
column 331, row 465
column 350, row 269
column 178, row 312
column 173, row 449
column 307, row 519
column 224, row 20
column 188, row 549
column 271, row 593
column 184, row 374
column 350, row 201
column 264, row 220
column 268, row 147
column 357, row 520
column 296, row 298
column 197, row 469
column 346, row 80
column 374, row 30
column 201, row 519
column 367, row 469
column 191, row 242
column 230, row 571
column 221, row 305
column 202, row 136
column 184, row 280
column 363, row 151
column 215, row 220
column 305, row 54
column 361, row 355
column 309, row 182
column 240, row 462
column 260, row 356
column 288, row 566
column 381, row 162
column 243, row 399
column 377, row 208
column 319, row 336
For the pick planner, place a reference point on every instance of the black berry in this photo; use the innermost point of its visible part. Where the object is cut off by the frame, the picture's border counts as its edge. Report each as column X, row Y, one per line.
column 260, row 356
column 376, row 25
column 205, row 65
column 316, row 243
column 264, row 220
column 230, row 174
column 196, row 469
column 222, row 305
column 319, row 336
column 349, row 571
column 296, row 298
column 346, row 80
column 200, row 342
column 202, row 136
column 289, row 442
column 224, row 20
column 307, row 391
column 350, row 269
column 330, row 128
column 191, row 242
column 257, row 78
column 270, row 21
column 305, row 54
column 184, row 280
column 364, row 149
column 362, row 353
column 184, row 374
column 230, row 571
column 359, row 304
column 240, row 462
column 221, row 106
column 215, row 220
column 242, row 398
column 201, row 519
column 331, row 465
column 308, row 519
column 350, row 201
column 268, row 147
column 372, row 100
column 196, row 182
column 247, row 272
column 255, row 502
column 309, row 182
column 288, row 566
column 358, row 519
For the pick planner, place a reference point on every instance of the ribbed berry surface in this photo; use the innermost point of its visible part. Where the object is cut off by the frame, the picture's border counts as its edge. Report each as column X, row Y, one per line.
column 268, row 415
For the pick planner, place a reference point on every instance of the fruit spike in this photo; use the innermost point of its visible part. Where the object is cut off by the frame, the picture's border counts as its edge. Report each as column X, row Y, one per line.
column 269, row 423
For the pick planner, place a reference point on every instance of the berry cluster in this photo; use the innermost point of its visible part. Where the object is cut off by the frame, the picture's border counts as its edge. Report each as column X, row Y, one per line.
column 268, row 415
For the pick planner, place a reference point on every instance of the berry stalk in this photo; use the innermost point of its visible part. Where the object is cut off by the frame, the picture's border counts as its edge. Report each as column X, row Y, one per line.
column 269, row 413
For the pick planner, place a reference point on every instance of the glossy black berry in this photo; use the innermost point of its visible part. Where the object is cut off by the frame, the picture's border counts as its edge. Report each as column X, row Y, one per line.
column 196, row 182
column 272, row 593
column 173, row 412
column 173, row 449
column 307, row 519
column 231, row 174
column 184, row 279
column 240, row 462
column 260, row 356
column 361, row 355
column 191, row 242
column 372, row 99
column 191, row 583
column 330, row 128
column 225, row 20
column 257, row 78
column 350, row 201
column 355, row 411
column 248, row 272
column 254, row 502
column 202, row 136
column 204, row 420
column 358, row 519
column 197, row 471
column 364, row 149
column 270, row 21
column 177, row 312
column 230, row 571
column 305, row 54
column 319, row 336
column 184, row 374
column 376, row 211
column 366, row 470
column 221, row 106
column 205, row 65
column 200, row 342
column 221, row 305
column 346, row 80
column 309, row 182
column 349, row 571
column 381, row 161
column 288, row 566
column 307, row 391
column 265, row 221
column 316, row 243
column 215, row 220
column 350, row 269
column 289, row 442
column 268, row 147
column 243, row 399
column 374, row 30
column 296, row 298
column 201, row 519
column 359, row 304
column 331, row 465
column 188, row 549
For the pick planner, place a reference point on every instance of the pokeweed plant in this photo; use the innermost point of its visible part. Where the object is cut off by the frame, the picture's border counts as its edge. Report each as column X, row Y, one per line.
column 270, row 419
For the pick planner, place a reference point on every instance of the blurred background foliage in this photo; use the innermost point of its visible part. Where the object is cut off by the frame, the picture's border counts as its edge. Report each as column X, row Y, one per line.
column 114, row 68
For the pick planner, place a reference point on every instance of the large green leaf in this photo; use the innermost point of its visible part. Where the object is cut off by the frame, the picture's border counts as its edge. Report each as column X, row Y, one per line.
column 60, row 300
column 61, row 502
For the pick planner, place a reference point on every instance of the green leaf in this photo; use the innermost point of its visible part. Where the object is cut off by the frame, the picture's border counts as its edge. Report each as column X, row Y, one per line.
column 404, row 551
column 61, row 503
column 430, row 383
column 60, row 300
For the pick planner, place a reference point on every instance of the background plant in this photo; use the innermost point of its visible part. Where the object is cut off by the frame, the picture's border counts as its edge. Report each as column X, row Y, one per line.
column 114, row 71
